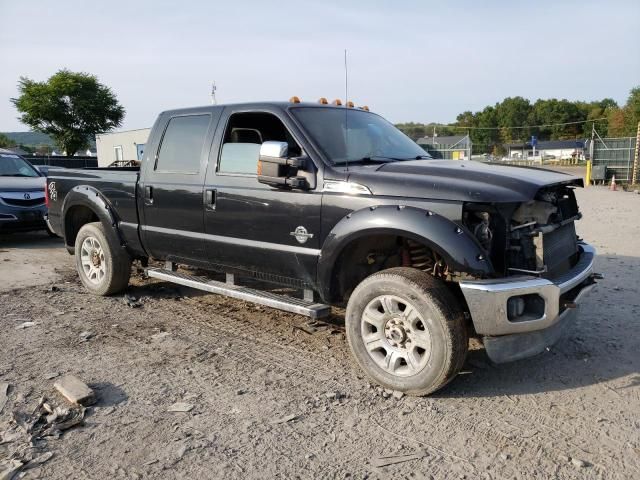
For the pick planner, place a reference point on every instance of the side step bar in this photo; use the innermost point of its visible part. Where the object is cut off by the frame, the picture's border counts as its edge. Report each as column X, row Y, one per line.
column 281, row 302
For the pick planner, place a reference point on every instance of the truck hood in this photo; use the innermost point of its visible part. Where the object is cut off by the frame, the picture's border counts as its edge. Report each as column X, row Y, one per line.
column 21, row 184
column 466, row 181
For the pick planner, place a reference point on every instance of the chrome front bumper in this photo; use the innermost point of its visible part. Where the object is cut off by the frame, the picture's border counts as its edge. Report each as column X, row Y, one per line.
column 507, row 340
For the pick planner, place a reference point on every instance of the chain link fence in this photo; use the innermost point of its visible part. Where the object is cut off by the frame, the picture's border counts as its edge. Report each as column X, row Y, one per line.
column 616, row 155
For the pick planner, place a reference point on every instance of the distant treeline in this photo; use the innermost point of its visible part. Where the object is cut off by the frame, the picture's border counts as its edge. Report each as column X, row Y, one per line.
column 493, row 127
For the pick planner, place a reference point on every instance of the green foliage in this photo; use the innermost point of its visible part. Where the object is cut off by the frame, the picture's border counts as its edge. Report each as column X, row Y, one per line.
column 70, row 107
column 418, row 130
column 6, row 142
column 516, row 119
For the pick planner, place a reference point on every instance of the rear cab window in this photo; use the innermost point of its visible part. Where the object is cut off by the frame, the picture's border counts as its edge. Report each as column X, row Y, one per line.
column 182, row 143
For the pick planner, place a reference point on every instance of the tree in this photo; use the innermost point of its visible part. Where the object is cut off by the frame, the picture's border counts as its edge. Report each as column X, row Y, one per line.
column 632, row 112
column 6, row 142
column 70, row 107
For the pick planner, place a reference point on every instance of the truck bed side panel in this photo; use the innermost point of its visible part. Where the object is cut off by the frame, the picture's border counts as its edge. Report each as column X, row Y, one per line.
column 116, row 186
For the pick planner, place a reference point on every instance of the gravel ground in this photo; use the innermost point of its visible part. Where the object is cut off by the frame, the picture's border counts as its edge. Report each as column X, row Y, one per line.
column 272, row 400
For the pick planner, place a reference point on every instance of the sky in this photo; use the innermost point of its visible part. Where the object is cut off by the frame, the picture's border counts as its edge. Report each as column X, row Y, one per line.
column 407, row 60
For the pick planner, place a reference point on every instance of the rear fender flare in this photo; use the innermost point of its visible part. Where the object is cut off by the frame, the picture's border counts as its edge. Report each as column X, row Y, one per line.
column 453, row 243
column 90, row 197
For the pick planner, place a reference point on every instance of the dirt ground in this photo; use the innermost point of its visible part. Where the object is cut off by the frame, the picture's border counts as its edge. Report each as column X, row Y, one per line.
column 274, row 401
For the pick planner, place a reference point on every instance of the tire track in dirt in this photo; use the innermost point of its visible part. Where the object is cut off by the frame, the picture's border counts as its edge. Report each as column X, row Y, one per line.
column 518, row 436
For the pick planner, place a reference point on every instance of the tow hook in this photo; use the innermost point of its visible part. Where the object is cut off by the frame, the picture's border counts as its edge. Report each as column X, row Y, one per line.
column 597, row 276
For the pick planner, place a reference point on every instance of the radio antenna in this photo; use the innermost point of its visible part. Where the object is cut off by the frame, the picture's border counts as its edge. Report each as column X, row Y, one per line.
column 213, row 93
column 346, row 110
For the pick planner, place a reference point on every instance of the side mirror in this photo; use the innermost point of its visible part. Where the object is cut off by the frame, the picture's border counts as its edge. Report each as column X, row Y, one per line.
column 276, row 169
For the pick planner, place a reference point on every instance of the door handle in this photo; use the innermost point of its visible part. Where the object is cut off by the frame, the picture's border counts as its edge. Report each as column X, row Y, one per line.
column 210, row 199
column 148, row 195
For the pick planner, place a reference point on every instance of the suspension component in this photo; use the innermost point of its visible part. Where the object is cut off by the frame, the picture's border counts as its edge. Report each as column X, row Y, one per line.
column 420, row 257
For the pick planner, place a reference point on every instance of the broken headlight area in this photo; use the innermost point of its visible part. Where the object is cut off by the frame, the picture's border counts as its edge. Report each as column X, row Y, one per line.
column 478, row 219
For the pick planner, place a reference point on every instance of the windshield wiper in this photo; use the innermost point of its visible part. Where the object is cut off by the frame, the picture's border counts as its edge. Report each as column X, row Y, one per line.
column 371, row 159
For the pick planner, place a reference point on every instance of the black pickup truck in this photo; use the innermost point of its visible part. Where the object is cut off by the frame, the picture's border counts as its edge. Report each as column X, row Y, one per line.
column 337, row 204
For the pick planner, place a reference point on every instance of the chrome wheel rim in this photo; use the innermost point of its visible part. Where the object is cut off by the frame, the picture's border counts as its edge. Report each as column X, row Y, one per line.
column 92, row 260
column 396, row 335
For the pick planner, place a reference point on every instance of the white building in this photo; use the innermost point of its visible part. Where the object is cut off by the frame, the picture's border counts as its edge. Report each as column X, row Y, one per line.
column 549, row 150
column 121, row 146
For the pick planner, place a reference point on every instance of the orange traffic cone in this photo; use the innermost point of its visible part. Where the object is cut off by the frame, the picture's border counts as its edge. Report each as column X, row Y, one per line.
column 613, row 186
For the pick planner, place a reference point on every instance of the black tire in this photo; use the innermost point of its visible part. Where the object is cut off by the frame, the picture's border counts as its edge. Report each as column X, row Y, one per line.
column 438, row 325
column 110, row 259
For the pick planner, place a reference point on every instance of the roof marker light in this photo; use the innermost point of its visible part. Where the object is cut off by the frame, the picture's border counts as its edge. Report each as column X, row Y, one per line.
column 365, row 108
column 337, row 102
column 349, row 104
column 294, row 99
column 323, row 101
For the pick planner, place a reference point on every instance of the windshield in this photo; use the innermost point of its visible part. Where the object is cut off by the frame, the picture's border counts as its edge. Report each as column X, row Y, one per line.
column 349, row 135
column 12, row 165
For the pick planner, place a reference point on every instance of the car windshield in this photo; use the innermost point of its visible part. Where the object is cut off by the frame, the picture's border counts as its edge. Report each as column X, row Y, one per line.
column 350, row 135
column 12, row 165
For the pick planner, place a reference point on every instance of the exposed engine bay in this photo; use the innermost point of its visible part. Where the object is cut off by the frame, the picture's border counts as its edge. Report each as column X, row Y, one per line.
column 536, row 237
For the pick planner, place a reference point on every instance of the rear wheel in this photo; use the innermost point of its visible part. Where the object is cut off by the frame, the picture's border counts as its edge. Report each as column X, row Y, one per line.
column 406, row 330
column 103, row 266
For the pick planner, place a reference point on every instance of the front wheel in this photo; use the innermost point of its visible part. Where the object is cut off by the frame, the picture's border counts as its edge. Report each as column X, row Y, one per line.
column 406, row 330
column 103, row 266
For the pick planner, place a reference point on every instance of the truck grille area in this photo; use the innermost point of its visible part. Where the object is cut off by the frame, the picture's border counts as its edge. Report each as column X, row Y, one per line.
column 541, row 237
column 560, row 248
column 21, row 202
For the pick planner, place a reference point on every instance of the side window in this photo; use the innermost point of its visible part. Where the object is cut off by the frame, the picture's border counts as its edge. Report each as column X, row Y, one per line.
column 181, row 147
column 243, row 136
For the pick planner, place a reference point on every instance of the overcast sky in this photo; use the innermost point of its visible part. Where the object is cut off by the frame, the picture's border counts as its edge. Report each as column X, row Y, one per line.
column 408, row 60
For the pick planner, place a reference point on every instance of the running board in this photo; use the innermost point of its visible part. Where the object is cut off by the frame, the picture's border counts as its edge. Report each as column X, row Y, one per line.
column 281, row 302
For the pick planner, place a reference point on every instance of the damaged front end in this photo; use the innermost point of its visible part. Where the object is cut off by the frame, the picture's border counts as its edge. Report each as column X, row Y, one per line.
column 542, row 271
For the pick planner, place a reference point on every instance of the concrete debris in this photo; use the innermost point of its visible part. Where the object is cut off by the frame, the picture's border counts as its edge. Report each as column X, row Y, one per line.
column 384, row 461
column 397, row 394
column 180, row 407
column 39, row 460
column 24, row 325
column 84, row 336
column 306, row 329
column 4, row 391
column 160, row 335
column 288, row 418
column 10, row 436
column 51, row 375
column 75, row 390
column 579, row 463
column 8, row 471
column 47, row 420
column 132, row 301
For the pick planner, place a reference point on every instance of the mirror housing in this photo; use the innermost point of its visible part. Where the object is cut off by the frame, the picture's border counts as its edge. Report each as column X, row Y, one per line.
column 276, row 169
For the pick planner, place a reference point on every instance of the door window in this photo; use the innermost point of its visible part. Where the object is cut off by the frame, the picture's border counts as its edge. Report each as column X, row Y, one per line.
column 243, row 136
column 181, row 147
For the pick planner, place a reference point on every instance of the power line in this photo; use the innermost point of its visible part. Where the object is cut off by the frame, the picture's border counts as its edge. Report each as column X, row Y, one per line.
column 527, row 126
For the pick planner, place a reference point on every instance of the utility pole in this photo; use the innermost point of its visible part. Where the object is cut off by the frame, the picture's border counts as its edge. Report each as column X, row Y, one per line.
column 213, row 93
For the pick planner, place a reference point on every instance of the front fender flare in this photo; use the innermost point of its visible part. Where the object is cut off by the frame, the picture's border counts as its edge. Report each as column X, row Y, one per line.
column 459, row 249
column 90, row 197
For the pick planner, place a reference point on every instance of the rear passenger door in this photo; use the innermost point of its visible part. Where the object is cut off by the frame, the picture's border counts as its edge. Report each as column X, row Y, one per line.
column 172, row 185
